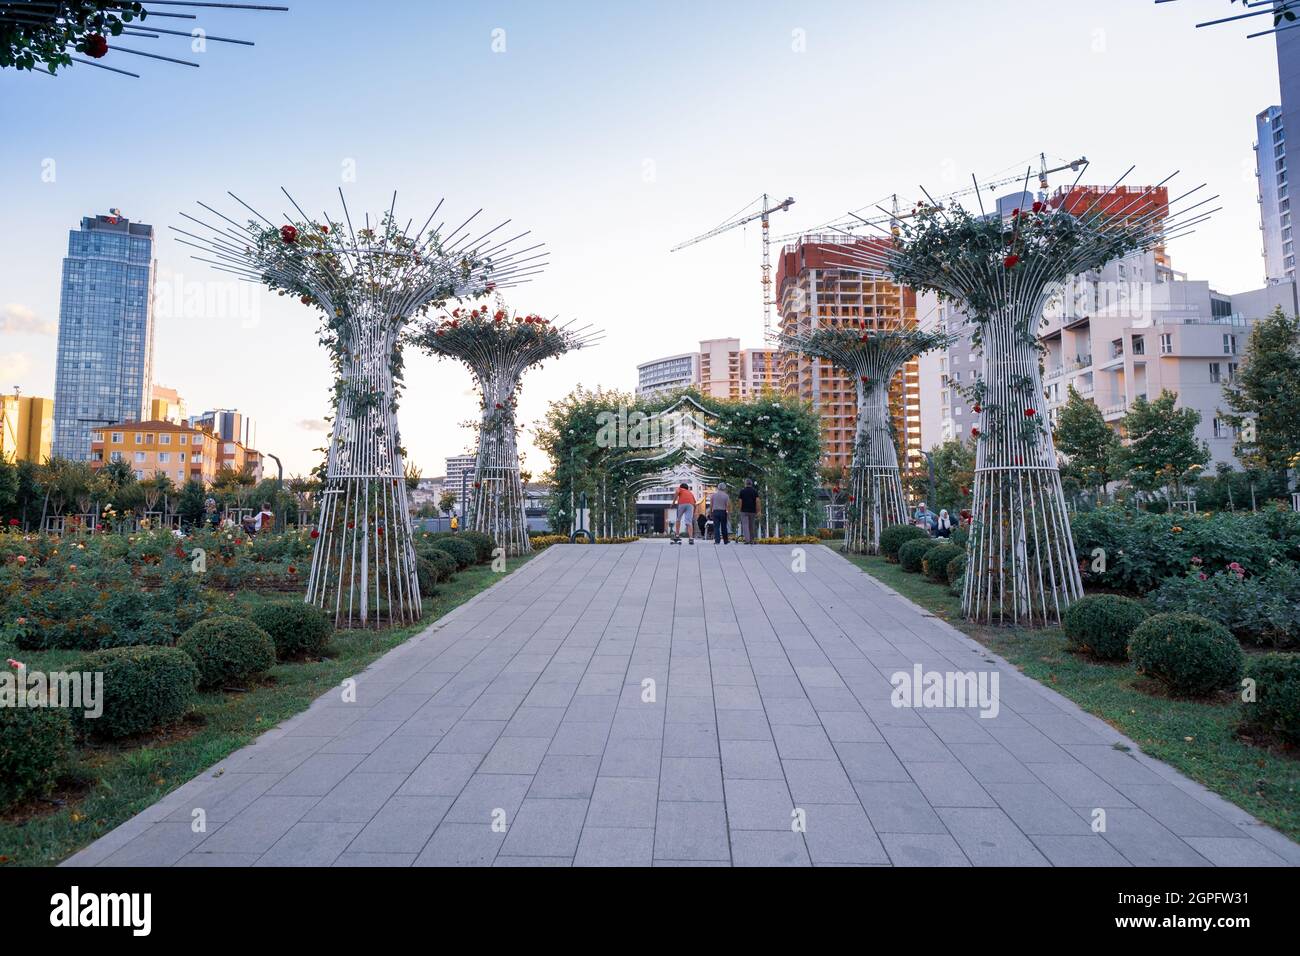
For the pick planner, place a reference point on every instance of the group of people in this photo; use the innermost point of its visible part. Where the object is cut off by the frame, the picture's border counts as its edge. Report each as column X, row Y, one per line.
column 251, row 524
column 940, row 525
column 715, row 512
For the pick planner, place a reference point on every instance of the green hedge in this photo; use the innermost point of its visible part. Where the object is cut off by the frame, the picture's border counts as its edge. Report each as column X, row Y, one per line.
column 463, row 551
column 144, row 688
column 483, row 543
column 912, row 553
column 34, row 747
column 443, row 565
column 1276, row 708
column 1142, row 549
column 936, row 560
column 1102, row 624
column 295, row 628
column 1188, row 654
column 956, row 568
column 228, row 651
column 895, row 536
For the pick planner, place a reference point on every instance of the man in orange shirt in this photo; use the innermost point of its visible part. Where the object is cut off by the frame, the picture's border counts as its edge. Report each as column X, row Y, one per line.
column 685, row 511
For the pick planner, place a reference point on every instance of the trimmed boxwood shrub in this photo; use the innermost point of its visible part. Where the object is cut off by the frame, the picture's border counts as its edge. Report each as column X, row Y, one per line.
column 936, row 561
column 442, row 564
column 296, row 629
column 895, row 536
column 483, row 543
column 228, row 650
column 426, row 575
column 913, row 552
column 464, row 552
column 34, row 744
column 1101, row 625
column 1188, row 654
column 956, row 568
column 1276, row 708
column 144, row 688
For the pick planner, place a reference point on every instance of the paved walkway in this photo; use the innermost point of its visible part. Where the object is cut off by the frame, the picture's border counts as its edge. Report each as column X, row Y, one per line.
column 514, row 732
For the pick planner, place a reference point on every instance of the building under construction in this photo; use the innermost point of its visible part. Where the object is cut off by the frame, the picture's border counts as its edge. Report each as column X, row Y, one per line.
column 813, row 291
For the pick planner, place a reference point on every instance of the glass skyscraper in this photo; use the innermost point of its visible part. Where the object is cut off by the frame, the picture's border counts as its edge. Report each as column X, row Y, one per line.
column 105, row 360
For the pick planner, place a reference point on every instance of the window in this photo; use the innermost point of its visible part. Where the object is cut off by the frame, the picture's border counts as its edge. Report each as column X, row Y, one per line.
column 1220, row 428
column 115, row 456
column 182, row 458
column 1139, row 345
column 117, row 438
column 1229, row 344
column 139, row 456
column 1214, row 372
column 96, row 436
column 164, row 439
column 196, row 459
column 182, row 439
column 1166, row 343
column 139, row 439
column 164, row 457
column 1232, row 371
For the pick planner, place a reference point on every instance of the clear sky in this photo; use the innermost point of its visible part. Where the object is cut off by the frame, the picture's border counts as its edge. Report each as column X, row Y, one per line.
column 613, row 130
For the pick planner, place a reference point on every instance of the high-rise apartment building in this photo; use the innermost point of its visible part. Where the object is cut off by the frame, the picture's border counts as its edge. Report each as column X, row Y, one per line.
column 460, row 475
column 105, row 353
column 720, row 369
column 228, row 423
column 1274, row 197
column 815, row 291
column 26, row 428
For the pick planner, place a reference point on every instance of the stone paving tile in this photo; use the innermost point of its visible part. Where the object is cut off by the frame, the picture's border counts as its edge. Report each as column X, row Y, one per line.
column 615, row 846
column 311, row 844
column 514, row 732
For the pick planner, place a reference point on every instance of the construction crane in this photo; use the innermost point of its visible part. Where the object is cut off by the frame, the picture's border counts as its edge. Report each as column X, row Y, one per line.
column 896, row 215
column 764, row 213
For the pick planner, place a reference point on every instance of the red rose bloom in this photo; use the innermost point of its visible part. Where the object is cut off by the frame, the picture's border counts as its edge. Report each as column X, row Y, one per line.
column 288, row 233
column 1010, row 261
column 975, row 432
column 976, row 408
column 1038, row 206
column 315, row 533
column 96, row 46
column 1030, row 412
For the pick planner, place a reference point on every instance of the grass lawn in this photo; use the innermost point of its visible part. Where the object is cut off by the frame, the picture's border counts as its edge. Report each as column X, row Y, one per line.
column 111, row 783
column 1198, row 738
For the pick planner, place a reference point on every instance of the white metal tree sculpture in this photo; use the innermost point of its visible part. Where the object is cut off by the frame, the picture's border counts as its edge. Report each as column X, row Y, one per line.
column 1001, row 272
column 872, row 358
column 498, row 347
column 368, row 283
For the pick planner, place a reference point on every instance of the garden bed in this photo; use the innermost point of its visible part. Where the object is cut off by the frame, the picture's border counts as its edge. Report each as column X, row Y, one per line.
column 109, row 783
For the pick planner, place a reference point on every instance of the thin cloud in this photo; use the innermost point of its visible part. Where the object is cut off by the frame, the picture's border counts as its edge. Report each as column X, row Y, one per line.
column 20, row 319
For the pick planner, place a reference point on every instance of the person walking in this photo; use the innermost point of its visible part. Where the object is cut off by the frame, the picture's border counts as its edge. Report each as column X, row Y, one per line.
column 455, row 524
column 702, row 518
column 943, row 527
column 748, row 511
column 685, row 511
column 721, row 502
